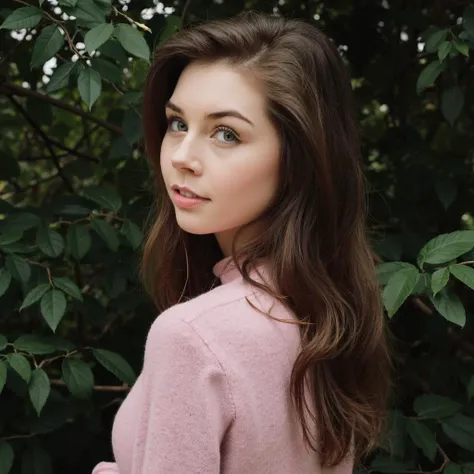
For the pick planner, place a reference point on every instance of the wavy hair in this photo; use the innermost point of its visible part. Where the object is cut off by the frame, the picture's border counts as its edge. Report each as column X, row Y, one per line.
column 313, row 232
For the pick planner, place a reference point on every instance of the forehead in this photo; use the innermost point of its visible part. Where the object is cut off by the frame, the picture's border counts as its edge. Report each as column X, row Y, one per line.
column 208, row 87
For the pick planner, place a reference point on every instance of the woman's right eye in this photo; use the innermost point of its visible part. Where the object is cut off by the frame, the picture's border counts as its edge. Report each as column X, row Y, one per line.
column 172, row 120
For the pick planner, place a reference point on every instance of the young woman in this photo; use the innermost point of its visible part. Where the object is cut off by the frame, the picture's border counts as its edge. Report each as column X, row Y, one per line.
column 270, row 354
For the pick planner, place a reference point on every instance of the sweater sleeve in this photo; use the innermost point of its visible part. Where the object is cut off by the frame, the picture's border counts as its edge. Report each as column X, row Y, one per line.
column 187, row 405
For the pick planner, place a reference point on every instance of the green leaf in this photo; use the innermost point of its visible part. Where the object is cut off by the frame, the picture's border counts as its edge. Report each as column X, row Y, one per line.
column 89, row 84
column 429, row 75
column 78, row 240
column 430, row 406
column 3, row 342
column 60, row 77
column 98, row 36
column 19, row 269
column 446, row 247
column 452, row 469
column 447, row 190
column 106, row 196
column 50, row 242
column 433, row 42
column 53, row 306
column 460, row 429
column 68, row 3
column 423, row 437
column 26, row 17
column 443, row 50
column 452, row 102
column 399, row 287
column 464, row 274
column 7, row 455
column 3, row 378
column 36, row 460
column 132, row 41
column 78, row 377
column 439, row 280
column 34, row 344
column 388, row 465
column 113, row 50
column 132, row 126
column 88, row 14
column 34, row 295
column 386, row 270
column 462, row 47
column 9, row 236
column 5, row 280
column 173, row 24
column 116, row 364
column 48, row 43
column 132, row 233
column 39, row 389
column 450, row 307
column 20, row 365
column 107, row 232
column 69, row 287
column 107, row 70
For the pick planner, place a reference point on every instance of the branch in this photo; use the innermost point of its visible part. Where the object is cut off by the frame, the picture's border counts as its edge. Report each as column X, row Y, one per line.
column 36, row 183
column 8, row 88
column 185, row 13
column 100, row 388
column 46, row 141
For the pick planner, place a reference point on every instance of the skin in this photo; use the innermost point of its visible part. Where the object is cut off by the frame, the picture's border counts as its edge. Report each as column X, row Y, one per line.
column 237, row 169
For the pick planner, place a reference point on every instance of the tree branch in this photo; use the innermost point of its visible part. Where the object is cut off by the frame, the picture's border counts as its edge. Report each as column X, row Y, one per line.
column 46, row 141
column 8, row 89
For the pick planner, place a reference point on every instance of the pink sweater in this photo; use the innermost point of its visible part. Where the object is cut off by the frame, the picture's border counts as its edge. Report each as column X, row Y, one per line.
column 213, row 394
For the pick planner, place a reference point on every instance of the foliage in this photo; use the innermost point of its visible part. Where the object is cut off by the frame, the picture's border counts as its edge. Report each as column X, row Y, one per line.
column 74, row 191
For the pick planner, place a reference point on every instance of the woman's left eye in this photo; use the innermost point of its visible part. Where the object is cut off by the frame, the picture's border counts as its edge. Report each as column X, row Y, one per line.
column 226, row 133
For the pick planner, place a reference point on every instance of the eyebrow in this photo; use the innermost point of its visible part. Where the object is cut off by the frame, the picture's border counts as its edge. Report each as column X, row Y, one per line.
column 213, row 115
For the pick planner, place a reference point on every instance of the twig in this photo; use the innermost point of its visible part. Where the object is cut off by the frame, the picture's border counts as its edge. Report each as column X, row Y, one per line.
column 8, row 88
column 140, row 25
column 19, row 190
column 185, row 12
column 99, row 388
column 46, row 141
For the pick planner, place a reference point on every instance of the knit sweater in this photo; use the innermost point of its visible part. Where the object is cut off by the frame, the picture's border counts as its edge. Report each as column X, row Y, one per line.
column 213, row 395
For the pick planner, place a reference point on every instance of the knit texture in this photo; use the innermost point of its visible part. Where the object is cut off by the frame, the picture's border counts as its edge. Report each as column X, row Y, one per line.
column 213, row 395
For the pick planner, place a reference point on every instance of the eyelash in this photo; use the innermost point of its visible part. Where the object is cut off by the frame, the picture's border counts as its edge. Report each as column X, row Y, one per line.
column 224, row 128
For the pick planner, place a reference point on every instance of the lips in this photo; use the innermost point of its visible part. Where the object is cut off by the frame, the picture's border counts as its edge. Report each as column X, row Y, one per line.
column 175, row 187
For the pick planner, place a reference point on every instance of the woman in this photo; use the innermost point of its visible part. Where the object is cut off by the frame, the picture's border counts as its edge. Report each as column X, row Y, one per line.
column 277, row 360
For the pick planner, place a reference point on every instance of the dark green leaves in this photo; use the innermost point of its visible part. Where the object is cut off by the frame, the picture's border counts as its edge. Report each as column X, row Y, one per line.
column 50, row 242
column 452, row 102
column 26, row 17
column 88, row 14
column 3, row 376
column 439, row 279
column 98, row 36
column 400, row 285
column 19, row 269
column 6, row 457
column 48, row 43
column 446, row 247
column 68, row 286
column 39, row 389
column 132, row 41
column 60, row 77
column 423, row 437
column 450, row 307
column 78, row 377
column 53, row 307
column 460, row 429
column 132, row 233
column 107, row 232
column 34, row 295
column 435, row 406
column 106, row 197
column 5, row 280
column 429, row 75
column 90, row 85
column 116, row 364
column 78, row 240
column 20, row 365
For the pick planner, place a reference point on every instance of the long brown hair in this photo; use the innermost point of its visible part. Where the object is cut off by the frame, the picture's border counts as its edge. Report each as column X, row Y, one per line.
column 314, row 231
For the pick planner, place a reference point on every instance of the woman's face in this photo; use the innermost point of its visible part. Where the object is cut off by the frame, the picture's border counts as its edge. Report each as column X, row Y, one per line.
column 231, row 160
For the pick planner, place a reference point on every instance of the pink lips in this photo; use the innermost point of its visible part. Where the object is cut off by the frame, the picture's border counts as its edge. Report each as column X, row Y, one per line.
column 186, row 202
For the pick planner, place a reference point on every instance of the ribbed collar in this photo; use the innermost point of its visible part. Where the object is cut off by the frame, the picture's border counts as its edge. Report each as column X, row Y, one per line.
column 227, row 271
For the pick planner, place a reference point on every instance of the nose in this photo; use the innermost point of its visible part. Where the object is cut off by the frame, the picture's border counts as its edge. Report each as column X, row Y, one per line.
column 184, row 157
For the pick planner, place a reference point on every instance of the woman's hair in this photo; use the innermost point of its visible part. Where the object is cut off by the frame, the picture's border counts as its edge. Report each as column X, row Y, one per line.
column 313, row 232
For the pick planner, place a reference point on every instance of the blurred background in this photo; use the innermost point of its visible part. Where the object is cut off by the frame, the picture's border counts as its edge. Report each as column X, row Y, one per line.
column 75, row 188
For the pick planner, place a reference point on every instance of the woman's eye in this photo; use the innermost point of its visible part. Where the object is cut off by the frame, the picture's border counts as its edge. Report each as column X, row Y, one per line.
column 172, row 120
column 228, row 136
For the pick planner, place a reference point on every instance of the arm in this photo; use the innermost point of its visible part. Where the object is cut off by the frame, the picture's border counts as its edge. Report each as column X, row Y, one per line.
column 187, row 405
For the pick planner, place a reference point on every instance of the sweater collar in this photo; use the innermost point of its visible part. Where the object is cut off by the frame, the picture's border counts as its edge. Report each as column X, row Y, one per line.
column 227, row 271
